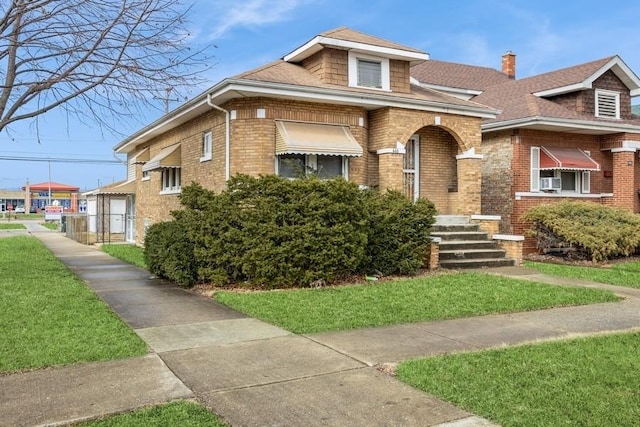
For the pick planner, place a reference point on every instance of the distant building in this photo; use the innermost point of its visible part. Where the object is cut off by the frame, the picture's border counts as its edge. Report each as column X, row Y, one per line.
column 36, row 197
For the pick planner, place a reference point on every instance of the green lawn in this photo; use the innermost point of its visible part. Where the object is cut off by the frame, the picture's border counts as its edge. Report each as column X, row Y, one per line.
column 623, row 274
column 49, row 317
column 443, row 296
column 183, row 414
column 129, row 253
column 583, row 382
column 11, row 226
column 50, row 225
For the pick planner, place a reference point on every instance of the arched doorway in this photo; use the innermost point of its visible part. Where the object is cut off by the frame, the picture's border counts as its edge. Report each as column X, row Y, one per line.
column 430, row 168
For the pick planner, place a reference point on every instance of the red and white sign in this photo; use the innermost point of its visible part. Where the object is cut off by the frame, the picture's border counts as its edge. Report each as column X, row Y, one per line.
column 53, row 212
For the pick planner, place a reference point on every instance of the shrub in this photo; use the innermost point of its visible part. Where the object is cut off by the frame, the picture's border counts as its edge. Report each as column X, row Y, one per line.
column 272, row 232
column 169, row 252
column 595, row 231
column 398, row 233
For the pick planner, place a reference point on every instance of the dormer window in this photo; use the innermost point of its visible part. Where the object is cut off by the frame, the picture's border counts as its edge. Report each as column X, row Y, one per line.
column 368, row 71
column 607, row 104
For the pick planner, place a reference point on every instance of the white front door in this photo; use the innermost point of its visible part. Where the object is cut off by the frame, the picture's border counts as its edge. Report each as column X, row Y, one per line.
column 117, row 210
column 411, row 168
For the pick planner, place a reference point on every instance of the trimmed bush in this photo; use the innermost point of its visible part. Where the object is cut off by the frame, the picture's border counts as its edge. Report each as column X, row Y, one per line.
column 593, row 230
column 398, row 232
column 271, row 232
column 169, row 252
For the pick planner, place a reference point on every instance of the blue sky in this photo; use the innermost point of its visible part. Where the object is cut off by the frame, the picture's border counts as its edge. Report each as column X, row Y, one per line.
column 545, row 35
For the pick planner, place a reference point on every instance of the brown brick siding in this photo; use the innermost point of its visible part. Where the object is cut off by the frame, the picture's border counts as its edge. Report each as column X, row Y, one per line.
column 330, row 66
column 399, row 76
column 439, row 171
column 497, row 177
column 614, row 177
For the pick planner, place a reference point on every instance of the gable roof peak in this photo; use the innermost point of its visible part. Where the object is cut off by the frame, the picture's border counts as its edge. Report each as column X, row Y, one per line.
column 348, row 39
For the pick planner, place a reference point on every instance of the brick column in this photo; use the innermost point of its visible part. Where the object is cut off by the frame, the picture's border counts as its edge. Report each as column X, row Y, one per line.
column 390, row 161
column 469, row 183
column 624, row 189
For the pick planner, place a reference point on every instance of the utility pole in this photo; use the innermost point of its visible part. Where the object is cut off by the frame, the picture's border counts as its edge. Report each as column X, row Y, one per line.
column 166, row 99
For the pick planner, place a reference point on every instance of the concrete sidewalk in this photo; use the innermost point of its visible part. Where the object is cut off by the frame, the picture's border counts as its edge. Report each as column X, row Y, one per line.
column 253, row 373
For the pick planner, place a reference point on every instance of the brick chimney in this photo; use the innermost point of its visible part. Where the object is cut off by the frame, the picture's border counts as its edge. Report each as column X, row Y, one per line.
column 509, row 64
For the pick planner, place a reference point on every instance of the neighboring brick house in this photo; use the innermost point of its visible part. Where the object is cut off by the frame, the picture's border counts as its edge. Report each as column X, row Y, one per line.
column 343, row 104
column 566, row 134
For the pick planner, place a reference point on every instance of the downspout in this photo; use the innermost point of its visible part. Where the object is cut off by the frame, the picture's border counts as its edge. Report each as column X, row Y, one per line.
column 227, row 139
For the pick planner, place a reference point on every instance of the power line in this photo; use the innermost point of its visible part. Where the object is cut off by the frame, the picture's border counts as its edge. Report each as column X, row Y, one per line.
column 61, row 160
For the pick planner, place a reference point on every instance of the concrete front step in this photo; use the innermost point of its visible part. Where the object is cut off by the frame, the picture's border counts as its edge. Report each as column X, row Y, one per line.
column 455, row 228
column 466, row 245
column 471, row 254
column 451, row 219
column 461, row 235
column 476, row 263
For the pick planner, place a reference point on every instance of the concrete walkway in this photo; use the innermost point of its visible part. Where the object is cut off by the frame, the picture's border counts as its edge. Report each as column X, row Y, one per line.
column 253, row 373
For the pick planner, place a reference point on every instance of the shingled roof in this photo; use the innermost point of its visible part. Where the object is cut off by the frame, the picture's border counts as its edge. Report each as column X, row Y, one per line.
column 286, row 73
column 461, row 76
column 516, row 98
column 347, row 34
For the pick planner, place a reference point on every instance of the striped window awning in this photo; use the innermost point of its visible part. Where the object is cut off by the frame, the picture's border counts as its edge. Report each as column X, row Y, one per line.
column 142, row 156
column 169, row 157
column 314, row 138
column 553, row 158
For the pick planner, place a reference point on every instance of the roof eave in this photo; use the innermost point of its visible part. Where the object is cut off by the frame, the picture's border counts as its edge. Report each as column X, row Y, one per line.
column 317, row 43
column 311, row 93
column 558, row 122
column 616, row 64
column 224, row 91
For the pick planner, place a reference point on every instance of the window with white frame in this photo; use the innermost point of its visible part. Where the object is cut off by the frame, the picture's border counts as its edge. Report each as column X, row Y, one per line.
column 299, row 165
column 170, row 180
column 607, row 104
column 146, row 175
column 557, row 180
column 206, row 146
column 369, row 71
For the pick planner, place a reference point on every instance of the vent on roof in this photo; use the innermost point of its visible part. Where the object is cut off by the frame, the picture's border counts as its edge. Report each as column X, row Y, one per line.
column 607, row 104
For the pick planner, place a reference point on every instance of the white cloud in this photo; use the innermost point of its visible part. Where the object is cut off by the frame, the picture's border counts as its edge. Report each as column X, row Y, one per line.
column 252, row 13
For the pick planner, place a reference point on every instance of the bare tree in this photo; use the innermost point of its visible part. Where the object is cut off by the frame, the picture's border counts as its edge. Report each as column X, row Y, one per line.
column 100, row 60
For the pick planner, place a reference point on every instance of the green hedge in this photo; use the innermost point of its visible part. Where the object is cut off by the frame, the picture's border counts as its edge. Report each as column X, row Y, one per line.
column 272, row 232
column 593, row 230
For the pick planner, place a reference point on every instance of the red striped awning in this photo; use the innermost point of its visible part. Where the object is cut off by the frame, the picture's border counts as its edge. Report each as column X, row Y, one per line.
column 552, row 158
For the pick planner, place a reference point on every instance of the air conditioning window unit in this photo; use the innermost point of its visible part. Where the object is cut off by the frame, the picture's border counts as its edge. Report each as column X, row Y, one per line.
column 550, row 184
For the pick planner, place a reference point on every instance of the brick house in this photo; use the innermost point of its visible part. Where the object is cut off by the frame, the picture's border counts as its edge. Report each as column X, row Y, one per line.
column 566, row 134
column 342, row 104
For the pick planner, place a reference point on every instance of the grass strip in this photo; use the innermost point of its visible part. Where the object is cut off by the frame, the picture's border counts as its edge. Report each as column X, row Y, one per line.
column 128, row 253
column 183, row 414
column 582, row 382
column 50, row 225
column 618, row 274
column 10, row 226
column 443, row 296
column 49, row 317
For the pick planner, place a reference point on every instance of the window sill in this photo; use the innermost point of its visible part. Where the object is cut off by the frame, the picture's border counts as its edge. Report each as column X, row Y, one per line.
column 378, row 89
column 168, row 192
column 146, row 178
column 205, row 159
column 520, row 195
